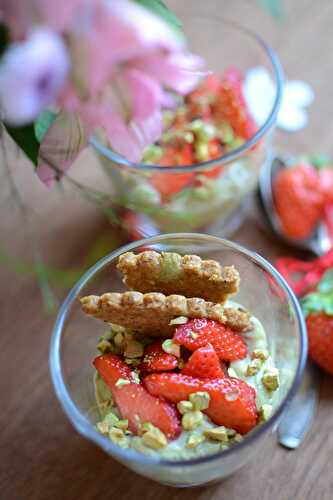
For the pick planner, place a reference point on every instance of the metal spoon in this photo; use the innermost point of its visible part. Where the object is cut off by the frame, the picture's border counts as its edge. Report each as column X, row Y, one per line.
column 298, row 416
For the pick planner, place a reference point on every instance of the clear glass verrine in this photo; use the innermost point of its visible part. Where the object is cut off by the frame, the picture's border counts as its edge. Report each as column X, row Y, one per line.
column 73, row 347
column 211, row 193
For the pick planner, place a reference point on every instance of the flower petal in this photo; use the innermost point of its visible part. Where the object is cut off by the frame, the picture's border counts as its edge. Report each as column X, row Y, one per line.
column 144, row 94
column 298, row 93
column 62, row 143
column 292, row 119
column 178, row 71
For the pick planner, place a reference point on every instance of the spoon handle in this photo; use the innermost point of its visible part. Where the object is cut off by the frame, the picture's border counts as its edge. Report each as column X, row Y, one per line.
column 298, row 416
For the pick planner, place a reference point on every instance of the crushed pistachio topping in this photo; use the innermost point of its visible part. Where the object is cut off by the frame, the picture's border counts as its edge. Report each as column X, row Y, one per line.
column 153, row 437
column 181, row 364
column 133, row 362
column 194, row 335
column 270, row 379
column 180, row 320
column 171, row 348
column 104, row 346
column 260, row 354
column 265, row 412
column 218, row 434
column 232, row 372
column 200, row 400
column 103, row 427
column 121, row 382
column 118, row 437
column 122, row 424
column 191, row 420
column 118, row 339
column 194, row 440
column 253, row 367
column 135, row 377
column 184, row 407
column 238, row 438
column 133, row 349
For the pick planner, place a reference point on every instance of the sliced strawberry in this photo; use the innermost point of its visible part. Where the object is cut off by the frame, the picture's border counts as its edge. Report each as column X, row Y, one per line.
column 134, row 401
column 228, row 345
column 230, row 105
column 157, row 360
column 232, row 401
column 204, row 363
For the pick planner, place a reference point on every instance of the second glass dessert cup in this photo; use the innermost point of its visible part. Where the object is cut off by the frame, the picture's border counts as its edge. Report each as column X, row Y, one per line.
column 263, row 292
column 210, row 194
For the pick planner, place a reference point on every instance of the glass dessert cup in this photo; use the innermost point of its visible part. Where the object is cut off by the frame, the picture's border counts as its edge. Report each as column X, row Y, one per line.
column 209, row 194
column 263, row 292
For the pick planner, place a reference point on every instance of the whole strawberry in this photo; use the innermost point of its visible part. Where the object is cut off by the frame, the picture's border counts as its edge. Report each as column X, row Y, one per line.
column 298, row 199
column 318, row 310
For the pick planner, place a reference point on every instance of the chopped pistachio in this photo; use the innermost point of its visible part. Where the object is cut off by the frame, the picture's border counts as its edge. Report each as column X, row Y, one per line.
column 238, row 438
column 202, row 151
column 191, row 420
column 180, row 320
column 135, row 377
column 118, row 339
column 111, row 419
column 194, row 440
column 232, row 372
column 270, row 379
column 200, row 400
column 108, row 335
column 253, row 367
column 103, row 427
column 133, row 349
column 194, row 335
column 122, row 424
column 153, row 437
column 231, row 432
column 181, row 364
column 152, row 153
column 121, row 382
column 265, row 412
column 117, row 328
column 104, row 346
column 118, row 437
column 171, row 348
column 218, row 434
column 184, row 407
column 260, row 354
column 133, row 362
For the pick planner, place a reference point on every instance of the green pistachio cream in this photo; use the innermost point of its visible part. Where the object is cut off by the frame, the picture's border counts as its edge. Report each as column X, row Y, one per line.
column 199, row 436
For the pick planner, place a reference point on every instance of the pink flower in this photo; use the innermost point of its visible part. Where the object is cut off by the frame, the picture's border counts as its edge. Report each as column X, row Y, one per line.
column 32, row 74
column 128, row 57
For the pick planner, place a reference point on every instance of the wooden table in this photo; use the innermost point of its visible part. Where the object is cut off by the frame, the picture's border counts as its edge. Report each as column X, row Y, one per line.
column 42, row 458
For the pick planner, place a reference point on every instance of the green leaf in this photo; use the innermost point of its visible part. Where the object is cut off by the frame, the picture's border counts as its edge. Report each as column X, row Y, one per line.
column 274, row 7
column 322, row 300
column 320, row 161
column 43, row 123
column 160, row 9
column 326, row 282
column 26, row 140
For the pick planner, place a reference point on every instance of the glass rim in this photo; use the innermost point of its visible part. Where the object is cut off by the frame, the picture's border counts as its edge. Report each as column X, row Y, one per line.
column 80, row 421
column 231, row 155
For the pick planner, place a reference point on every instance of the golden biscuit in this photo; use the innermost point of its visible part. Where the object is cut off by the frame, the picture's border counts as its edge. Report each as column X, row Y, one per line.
column 151, row 313
column 171, row 273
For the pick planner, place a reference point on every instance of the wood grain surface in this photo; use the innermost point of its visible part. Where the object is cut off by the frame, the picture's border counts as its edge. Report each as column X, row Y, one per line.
column 42, row 457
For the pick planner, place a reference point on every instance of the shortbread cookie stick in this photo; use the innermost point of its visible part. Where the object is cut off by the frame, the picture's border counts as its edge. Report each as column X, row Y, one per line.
column 171, row 273
column 151, row 313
